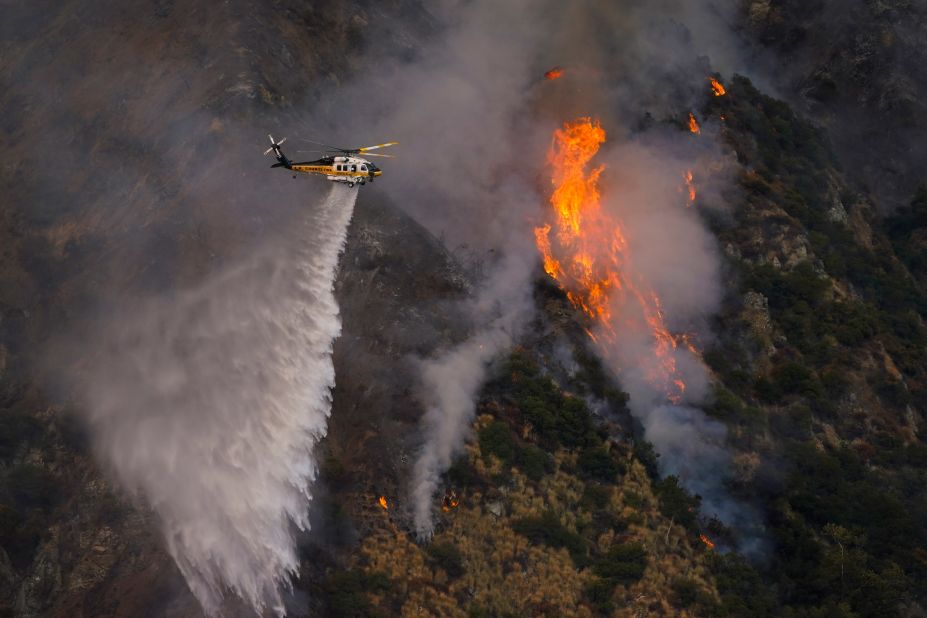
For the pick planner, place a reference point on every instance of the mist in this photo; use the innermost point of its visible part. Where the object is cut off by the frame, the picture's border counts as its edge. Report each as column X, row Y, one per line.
column 208, row 404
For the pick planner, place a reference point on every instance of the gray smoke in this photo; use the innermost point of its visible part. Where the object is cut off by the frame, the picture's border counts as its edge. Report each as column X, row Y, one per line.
column 208, row 406
column 470, row 147
column 474, row 118
column 451, row 381
column 670, row 251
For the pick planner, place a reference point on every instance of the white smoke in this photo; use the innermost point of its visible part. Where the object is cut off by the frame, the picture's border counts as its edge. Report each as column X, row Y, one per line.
column 208, row 406
column 671, row 251
column 451, row 382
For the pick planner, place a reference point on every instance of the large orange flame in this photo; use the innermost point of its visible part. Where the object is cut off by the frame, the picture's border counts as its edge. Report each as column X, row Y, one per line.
column 585, row 251
column 717, row 88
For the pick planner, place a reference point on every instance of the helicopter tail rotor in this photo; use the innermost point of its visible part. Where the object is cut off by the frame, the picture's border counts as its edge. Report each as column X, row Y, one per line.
column 275, row 146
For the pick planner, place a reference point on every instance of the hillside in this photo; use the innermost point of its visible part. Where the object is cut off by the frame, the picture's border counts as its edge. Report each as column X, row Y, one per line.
column 557, row 507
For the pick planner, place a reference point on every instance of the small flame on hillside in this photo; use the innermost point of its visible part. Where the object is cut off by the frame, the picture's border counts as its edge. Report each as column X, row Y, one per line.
column 690, row 186
column 588, row 255
column 708, row 542
column 717, row 87
column 383, row 503
column 451, row 501
column 693, row 124
column 554, row 73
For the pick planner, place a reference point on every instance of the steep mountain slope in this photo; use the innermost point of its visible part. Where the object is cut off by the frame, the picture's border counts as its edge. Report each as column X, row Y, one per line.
column 130, row 167
column 858, row 68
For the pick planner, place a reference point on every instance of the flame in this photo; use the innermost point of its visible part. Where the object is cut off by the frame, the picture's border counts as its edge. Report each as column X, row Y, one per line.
column 693, row 124
column 554, row 73
column 383, row 502
column 717, row 88
column 451, row 501
column 708, row 542
column 690, row 186
column 586, row 252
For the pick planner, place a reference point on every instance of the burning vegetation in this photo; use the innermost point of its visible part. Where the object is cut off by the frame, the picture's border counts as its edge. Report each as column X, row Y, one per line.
column 554, row 73
column 717, row 88
column 450, row 500
column 689, row 179
column 693, row 125
column 383, row 503
column 584, row 249
column 706, row 541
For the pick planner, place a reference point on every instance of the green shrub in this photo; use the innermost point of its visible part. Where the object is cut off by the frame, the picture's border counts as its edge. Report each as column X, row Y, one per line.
column 496, row 439
column 598, row 593
column 346, row 593
column 448, row 557
column 685, row 591
column 597, row 463
column 548, row 530
column 535, row 463
column 795, row 379
column 462, row 473
column 676, row 502
column 743, row 592
column 559, row 420
column 595, row 497
column 622, row 564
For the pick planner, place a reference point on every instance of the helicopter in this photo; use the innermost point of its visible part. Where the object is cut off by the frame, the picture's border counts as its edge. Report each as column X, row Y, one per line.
column 338, row 165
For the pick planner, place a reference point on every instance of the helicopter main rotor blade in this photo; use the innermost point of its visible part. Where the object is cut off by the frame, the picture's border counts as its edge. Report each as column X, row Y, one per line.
column 323, row 144
column 368, row 148
column 373, row 154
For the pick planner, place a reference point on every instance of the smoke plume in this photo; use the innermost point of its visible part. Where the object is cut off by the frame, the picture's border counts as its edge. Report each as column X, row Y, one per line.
column 484, row 132
column 208, row 405
column 452, row 380
column 669, row 247
column 473, row 109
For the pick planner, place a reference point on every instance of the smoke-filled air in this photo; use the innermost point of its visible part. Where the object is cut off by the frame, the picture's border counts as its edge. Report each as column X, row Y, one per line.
column 209, row 404
column 463, row 308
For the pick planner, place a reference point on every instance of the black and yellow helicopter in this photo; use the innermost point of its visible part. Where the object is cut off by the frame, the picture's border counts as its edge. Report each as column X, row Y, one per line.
column 339, row 165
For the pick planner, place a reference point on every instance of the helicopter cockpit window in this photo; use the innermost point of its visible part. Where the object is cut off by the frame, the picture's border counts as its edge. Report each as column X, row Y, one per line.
column 363, row 168
column 353, row 168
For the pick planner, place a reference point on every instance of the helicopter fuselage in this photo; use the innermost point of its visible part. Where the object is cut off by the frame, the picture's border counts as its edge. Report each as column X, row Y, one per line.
column 348, row 170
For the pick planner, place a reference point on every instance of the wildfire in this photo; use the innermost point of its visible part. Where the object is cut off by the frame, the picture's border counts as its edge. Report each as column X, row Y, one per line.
column 717, row 88
column 693, row 124
column 451, row 501
column 383, row 503
column 586, row 252
column 708, row 542
column 690, row 185
column 554, row 73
